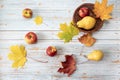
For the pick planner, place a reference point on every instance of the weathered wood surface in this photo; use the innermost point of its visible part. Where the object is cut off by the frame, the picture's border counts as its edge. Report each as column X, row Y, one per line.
column 13, row 27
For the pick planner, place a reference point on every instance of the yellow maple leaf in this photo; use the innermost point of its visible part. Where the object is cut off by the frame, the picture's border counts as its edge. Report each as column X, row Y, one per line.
column 38, row 20
column 18, row 55
column 67, row 32
column 103, row 11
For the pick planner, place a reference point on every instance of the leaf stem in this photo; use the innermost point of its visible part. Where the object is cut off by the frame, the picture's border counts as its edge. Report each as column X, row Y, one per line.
column 37, row 60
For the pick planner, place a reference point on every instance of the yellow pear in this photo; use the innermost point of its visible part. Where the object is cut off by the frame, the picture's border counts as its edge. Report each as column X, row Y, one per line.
column 86, row 23
column 95, row 55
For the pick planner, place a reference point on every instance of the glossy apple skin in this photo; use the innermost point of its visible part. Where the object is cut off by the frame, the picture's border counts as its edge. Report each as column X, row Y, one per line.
column 31, row 38
column 83, row 12
column 51, row 51
column 27, row 13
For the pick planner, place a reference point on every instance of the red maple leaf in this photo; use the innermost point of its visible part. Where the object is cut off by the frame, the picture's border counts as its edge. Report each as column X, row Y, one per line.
column 69, row 66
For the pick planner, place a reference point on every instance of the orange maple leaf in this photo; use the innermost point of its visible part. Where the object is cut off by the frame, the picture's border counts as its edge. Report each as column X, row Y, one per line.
column 87, row 40
column 103, row 11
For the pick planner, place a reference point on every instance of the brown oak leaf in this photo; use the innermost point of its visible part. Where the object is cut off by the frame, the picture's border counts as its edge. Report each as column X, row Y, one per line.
column 87, row 40
column 69, row 66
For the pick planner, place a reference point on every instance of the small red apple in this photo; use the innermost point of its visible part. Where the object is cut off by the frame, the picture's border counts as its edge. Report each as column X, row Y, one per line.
column 27, row 13
column 83, row 12
column 51, row 51
column 31, row 38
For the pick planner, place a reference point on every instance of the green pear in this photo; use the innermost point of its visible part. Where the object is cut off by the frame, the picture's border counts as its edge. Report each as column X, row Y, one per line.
column 96, row 55
column 86, row 23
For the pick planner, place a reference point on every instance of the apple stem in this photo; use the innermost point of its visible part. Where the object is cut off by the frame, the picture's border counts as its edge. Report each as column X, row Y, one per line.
column 37, row 60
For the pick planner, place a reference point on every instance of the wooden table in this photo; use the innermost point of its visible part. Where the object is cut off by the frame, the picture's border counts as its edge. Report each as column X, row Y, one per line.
column 13, row 28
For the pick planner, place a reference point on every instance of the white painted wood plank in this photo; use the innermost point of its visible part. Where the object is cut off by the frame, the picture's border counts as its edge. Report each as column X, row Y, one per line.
column 41, row 69
column 51, row 24
column 52, row 35
column 56, row 77
column 111, row 58
column 73, row 46
column 38, row 51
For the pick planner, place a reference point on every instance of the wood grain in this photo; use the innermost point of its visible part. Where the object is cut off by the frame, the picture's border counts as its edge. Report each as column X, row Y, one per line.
column 13, row 28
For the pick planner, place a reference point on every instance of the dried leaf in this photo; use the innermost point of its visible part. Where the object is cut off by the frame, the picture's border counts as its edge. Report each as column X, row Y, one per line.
column 87, row 40
column 69, row 66
column 103, row 11
column 18, row 55
column 38, row 20
column 67, row 32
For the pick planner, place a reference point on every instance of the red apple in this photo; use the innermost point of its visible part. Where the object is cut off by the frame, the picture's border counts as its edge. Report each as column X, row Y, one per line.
column 51, row 51
column 83, row 12
column 31, row 38
column 27, row 13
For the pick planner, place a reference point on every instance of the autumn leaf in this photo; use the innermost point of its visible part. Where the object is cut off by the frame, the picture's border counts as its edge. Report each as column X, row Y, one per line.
column 67, row 32
column 103, row 11
column 68, row 66
column 18, row 56
column 87, row 40
column 38, row 20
